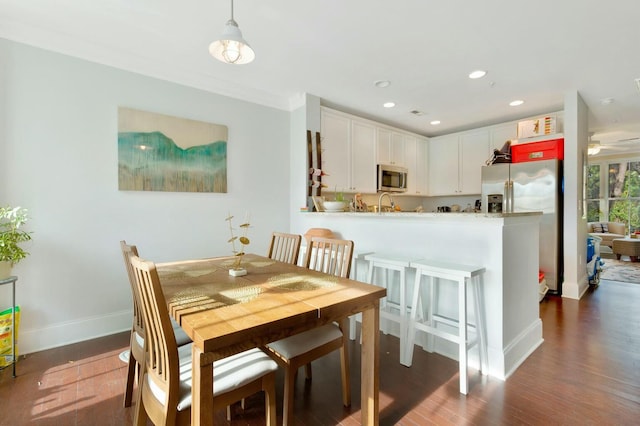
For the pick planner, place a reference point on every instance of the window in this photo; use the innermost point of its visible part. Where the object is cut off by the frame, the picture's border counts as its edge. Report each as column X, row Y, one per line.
column 614, row 195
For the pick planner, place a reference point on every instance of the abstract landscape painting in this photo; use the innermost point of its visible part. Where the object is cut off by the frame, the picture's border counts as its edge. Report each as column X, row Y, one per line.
column 159, row 152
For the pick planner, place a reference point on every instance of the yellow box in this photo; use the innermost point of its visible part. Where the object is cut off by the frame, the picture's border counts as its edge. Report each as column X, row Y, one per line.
column 6, row 334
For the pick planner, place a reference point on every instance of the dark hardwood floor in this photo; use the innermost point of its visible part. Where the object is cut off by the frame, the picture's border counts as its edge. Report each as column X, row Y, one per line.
column 587, row 372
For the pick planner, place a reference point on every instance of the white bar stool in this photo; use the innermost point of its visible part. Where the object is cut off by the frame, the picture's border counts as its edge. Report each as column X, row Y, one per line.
column 390, row 263
column 462, row 274
column 357, row 255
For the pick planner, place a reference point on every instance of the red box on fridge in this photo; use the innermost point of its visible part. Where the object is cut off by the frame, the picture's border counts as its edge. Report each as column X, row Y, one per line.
column 538, row 151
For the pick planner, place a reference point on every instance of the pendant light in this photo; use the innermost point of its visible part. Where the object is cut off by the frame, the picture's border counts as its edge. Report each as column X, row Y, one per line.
column 232, row 48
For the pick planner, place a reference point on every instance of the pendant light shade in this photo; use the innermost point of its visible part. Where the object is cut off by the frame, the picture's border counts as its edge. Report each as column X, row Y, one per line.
column 232, row 48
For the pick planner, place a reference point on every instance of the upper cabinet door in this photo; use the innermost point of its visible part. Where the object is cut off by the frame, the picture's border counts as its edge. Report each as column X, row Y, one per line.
column 443, row 165
column 421, row 175
column 398, row 149
column 383, row 146
column 363, row 165
column 474, row 152
column 390, row 147
column 502, row 133
column 336, row 135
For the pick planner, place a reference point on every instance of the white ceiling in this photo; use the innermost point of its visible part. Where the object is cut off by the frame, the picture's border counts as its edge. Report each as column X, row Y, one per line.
column 535, row 50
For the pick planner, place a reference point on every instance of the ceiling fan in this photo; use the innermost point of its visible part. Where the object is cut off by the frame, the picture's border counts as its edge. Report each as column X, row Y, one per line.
column 623, row 145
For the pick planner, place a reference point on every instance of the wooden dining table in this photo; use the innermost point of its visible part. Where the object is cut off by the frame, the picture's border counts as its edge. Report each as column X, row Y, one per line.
column 224, row 315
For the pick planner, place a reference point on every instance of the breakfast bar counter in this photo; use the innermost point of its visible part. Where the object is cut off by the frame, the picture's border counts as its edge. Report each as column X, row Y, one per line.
column 505, row 244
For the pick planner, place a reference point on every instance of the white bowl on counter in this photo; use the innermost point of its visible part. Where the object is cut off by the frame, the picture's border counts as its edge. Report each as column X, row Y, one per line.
column 334, row 206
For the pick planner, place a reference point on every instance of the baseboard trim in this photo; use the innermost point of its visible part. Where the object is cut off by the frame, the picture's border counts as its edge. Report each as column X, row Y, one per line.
column 66, row 333
column 516, row 352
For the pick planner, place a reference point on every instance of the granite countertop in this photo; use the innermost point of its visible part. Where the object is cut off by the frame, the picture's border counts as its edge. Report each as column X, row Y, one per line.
column 425, row 215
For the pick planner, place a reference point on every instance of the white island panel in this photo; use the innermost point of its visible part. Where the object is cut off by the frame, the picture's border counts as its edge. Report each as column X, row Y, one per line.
column 506, row 245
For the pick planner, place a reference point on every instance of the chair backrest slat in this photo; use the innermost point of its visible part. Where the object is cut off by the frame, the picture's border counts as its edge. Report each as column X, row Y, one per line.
column 330, row 256
column 284, row 247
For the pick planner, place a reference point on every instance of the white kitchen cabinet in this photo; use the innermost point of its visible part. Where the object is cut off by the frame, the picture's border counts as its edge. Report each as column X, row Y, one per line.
column 443, row 165
column 474, row 152
column 501, row 133
column 348, row 153
column 416, row 152
column 421, row 175
column 455, row 163
column 390, row 147
column 335, row 131
column 363, row 162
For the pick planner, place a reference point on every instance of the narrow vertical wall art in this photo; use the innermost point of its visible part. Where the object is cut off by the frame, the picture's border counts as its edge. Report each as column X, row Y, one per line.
column 159, row 152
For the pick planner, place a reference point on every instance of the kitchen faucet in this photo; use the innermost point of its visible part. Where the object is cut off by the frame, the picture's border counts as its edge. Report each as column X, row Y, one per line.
column 393, row 206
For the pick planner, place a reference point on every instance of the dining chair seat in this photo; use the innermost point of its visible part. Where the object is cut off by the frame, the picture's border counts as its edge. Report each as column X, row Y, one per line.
column 301, row 343
column 228, row 374
column 181, row 336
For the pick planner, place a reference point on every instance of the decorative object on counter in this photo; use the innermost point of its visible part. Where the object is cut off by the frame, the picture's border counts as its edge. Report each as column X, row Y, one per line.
column 11, row 236
column 357, row 204
column 502, row 155
column 335, row 206
column 455, row 207
column 236, row 269
column 318, row 203
column 232, row 48
column 315, row 171
column 444, row 209
column 338, row 204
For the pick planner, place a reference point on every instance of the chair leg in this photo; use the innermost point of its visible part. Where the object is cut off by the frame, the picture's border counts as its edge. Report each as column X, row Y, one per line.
column 269, row 387
column 140, row 417
column 287, row 400
column 307, row 372
column 131, row 374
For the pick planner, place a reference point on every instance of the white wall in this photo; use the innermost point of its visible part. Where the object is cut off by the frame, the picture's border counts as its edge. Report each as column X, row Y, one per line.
column 58, row 158
column 575, row 221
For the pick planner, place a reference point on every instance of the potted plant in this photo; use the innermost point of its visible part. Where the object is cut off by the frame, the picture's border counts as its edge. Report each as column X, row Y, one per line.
column 236, row 269
column 339, row 203
column 11, row 236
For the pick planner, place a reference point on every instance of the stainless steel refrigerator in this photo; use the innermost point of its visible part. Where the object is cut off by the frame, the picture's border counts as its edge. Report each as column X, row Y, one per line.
column 528, row 187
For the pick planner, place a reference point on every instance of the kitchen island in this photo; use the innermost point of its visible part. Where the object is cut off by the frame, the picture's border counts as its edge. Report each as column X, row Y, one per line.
column 505, row 244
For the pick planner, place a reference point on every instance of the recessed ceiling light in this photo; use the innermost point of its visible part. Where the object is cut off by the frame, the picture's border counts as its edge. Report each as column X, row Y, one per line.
column 516, row 102
column 435, row 122
column 607, row 101
column 477, row 74
column 382, row 83
column 389, row 104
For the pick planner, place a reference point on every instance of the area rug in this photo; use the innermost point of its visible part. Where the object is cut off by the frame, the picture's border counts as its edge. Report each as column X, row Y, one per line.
column 620, row 270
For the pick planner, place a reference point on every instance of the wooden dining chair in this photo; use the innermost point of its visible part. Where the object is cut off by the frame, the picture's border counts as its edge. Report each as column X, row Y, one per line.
column 136, row 344
column 333, row 257
column 165, row 386
column 284, row 247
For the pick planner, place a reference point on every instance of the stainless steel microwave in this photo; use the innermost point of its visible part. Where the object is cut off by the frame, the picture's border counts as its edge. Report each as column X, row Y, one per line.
column 392, row 178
